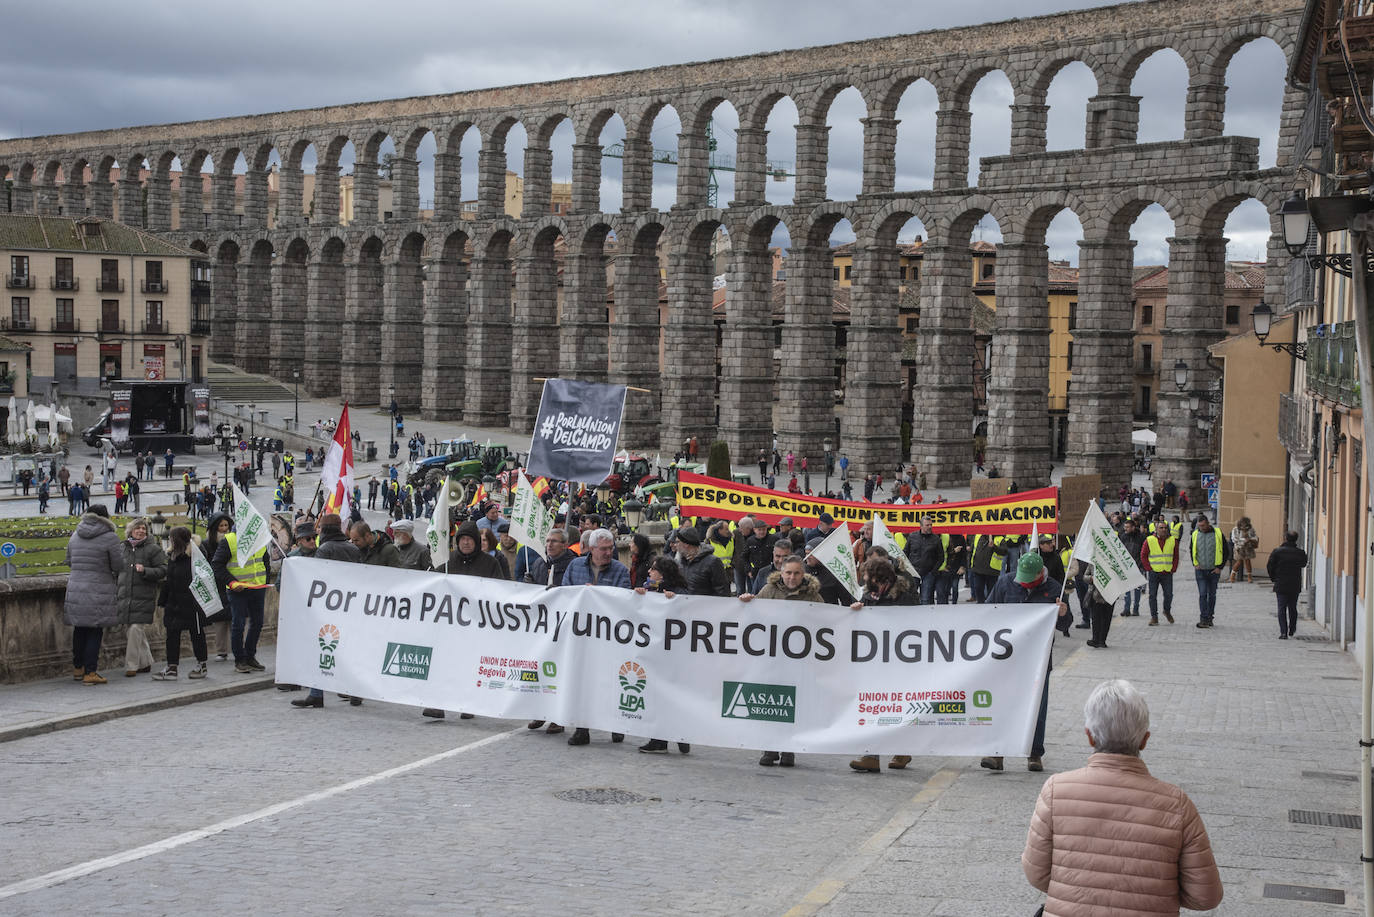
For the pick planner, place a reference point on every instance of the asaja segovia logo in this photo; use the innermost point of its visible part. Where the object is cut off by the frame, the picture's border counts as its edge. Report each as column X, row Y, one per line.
column 633, row 678
column 329, row 642
column 406, row 661
column 744, row 700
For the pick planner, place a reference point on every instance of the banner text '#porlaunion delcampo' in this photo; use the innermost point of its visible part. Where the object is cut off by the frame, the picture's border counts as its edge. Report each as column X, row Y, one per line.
column 576, row 430
column 801, row 676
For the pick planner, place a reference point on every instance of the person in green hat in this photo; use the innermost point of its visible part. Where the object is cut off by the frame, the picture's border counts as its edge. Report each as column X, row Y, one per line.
column 1030, row 583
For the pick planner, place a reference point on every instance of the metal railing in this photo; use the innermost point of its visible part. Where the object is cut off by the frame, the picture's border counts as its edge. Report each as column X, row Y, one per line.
column 64, row 324
column 152, row 327
column 1331, row 370
column 64, row 283
column 1295, row 426
column 19, row 281
column 154, row 286
column 109, row 285
column 200, row 326
column 111, row 326
column 11, row 323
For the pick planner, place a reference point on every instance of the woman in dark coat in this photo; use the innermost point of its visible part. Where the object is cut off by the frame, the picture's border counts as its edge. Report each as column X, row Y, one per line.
column 96, row 558
column 144, row 568
column 180, row 610
column 641, row 555
column 217, row 624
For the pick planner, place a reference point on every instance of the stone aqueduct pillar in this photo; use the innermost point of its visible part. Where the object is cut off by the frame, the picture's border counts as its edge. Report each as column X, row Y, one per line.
column 467, row 334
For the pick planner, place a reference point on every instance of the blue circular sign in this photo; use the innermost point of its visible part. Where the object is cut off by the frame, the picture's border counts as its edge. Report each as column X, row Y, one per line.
column 243, row 446
column 8, row 549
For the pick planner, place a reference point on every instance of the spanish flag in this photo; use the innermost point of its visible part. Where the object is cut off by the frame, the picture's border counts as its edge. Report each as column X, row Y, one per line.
column 540, row 485
column 479, row 496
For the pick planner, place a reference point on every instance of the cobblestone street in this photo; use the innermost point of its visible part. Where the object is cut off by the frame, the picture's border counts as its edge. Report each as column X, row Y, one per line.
column 375, row 809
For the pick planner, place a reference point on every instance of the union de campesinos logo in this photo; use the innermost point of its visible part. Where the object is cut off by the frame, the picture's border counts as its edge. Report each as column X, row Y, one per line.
column 744, row 700
column 406, row 661
column 329, row 642
column 633, row 680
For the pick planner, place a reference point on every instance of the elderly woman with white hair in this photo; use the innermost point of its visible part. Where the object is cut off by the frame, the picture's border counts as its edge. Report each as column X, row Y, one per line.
column 1111, row 839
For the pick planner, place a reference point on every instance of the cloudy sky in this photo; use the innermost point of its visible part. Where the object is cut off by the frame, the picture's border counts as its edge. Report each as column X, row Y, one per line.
column 72, row 65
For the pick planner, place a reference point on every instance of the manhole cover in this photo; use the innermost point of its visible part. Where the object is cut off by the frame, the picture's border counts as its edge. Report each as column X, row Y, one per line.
column 1304, row 893
column 601, row 796
column 1323, row 819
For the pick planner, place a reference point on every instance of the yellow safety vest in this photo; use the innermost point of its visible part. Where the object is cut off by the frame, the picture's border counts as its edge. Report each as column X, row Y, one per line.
column 1217, row 541
column 726, row 552
column 901, row 539
column 994, row 559
column 944, row 544
column 1064, row 556
column 1161, row 556
column 1176, row 529
column 255, row 573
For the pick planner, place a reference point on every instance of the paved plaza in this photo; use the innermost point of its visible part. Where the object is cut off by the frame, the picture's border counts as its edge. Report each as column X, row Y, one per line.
column 246, row 802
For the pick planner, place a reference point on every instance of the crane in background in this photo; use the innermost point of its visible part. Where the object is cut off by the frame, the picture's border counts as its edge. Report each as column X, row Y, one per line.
column 778, row 170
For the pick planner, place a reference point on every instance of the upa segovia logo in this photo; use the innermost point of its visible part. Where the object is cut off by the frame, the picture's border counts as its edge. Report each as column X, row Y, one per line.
column 633, row 678
column 743, row 700
column 407, row 661
column 329, row 642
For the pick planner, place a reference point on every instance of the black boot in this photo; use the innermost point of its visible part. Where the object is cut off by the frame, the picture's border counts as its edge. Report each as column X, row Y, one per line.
column 580, row 737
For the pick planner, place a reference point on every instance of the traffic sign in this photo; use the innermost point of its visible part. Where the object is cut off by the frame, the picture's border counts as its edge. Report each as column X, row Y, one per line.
column 243, row 445
column 8, row 549
column 1209, row 480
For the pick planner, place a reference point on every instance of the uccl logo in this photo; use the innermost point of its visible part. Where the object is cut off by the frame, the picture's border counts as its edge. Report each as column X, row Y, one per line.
column 329, row 641
column 743, row 700
column 406, row 661
column 633, row 679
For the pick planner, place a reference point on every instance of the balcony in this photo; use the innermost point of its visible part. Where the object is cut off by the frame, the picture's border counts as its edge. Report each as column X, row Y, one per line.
column 1331, row 370
column 64, row 283
column 154, row 286
column 200, row 290
column 65, row 324
column 1349, row 140
column 19, row 281
column 16, row 324
column 1295, row 427
column 109, row 285
column 111, row 326
column 152, row 327
column 1144, row 367
column 200, row 327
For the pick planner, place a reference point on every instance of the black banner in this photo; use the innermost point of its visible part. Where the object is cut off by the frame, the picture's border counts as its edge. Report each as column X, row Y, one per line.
column 576, row 431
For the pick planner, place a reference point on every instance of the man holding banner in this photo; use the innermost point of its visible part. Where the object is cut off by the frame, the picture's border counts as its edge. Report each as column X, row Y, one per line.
column 240, row 565
column 1030, row 584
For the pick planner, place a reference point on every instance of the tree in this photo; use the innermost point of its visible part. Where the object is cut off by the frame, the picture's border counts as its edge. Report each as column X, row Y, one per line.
column 718, row 463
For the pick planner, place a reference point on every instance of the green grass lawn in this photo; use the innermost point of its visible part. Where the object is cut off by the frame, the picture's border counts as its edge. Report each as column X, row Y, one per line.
column 42, row 541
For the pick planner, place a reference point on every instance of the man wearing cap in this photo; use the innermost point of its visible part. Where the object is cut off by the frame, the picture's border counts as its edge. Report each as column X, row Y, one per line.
column 414, row 556
column 1030, row 584
column 785, row 528
column 825, row 522
column 332, row 544
column 704, row 572
column 491, row 519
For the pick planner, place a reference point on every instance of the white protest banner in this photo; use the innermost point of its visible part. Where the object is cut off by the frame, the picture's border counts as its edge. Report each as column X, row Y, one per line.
column 530, row 523
column 1114, row 570
column 203, row 583
column 836, row 554
column 882, row 538
column 250, row 527
column 438, row 528
column 802, row 676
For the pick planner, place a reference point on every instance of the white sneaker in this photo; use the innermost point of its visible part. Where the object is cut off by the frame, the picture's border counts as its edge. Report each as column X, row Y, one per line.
column 167, row 674
column 197, row 672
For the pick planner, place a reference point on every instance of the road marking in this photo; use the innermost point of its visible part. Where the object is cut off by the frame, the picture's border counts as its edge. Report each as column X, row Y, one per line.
column 190, row 837
column 828, row 888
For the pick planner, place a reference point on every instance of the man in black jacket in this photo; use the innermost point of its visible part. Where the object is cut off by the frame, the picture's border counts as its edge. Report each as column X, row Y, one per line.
column 1285, row 566
column 1132, row 538
column 468, row 560
column 926, row 553
column 332, row 544
column 704, row 572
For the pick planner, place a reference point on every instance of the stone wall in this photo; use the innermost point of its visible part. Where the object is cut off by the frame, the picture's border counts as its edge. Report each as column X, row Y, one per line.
column 35, row 644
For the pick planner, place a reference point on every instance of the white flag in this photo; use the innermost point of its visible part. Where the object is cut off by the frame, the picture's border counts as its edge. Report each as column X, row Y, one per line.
column 883, row 538
column 530, row 523
column 836, row 554
column 438, row 527
column 1114, row 569
column 203, row 583
column 250, row 527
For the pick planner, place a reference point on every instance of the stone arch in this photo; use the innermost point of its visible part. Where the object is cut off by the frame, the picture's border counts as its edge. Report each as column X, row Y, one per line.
column 408, row 178
column 635, row 331
column 224, row 296
column 536, row 312
column 1040, row 210
column 966, row 80
column 403, row 312
column 882, row 228
column 1208, row 216
column 1226, row 46
column 1138, row 51
column 886, row 95
column 820, row 222
column 445, row 325
column 1113, row 219
column 487, row 398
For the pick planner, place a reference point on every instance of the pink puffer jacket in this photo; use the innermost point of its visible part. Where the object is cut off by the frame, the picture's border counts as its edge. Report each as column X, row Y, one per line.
column 1109, row 840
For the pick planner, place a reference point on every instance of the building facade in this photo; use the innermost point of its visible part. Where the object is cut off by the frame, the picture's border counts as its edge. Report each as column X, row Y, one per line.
column 97, row 301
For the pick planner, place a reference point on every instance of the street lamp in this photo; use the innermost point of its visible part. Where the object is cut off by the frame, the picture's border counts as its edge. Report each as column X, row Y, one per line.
column 829, row 447
column 296, row 374
column 157, row 526
column 1262, row 317
column 252, row 428
column 634, row 513
column 1330, row 214
column 391, row 427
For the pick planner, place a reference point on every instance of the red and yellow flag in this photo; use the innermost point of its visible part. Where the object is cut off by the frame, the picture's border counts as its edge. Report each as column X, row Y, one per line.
column 336, row 473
